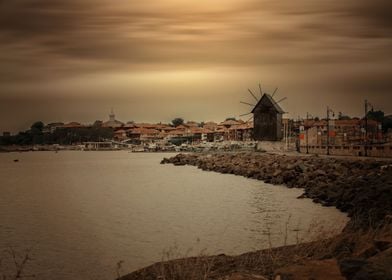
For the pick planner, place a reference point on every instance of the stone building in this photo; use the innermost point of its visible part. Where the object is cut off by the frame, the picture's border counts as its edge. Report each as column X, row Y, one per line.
column 341, row 132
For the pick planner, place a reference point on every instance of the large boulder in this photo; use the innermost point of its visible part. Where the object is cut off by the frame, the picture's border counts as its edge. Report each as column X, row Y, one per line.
column 378, row 267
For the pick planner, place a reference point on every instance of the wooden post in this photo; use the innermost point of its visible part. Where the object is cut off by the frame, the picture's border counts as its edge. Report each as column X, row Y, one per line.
column 366, row 126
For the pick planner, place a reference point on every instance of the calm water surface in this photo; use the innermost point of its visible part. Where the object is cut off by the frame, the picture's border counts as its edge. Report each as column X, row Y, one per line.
column 82, row 212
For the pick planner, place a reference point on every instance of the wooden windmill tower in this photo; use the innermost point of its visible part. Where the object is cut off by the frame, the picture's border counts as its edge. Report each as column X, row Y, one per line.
column 267, row 117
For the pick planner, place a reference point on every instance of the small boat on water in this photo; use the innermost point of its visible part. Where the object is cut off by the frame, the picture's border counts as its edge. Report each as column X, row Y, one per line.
column 138, row 150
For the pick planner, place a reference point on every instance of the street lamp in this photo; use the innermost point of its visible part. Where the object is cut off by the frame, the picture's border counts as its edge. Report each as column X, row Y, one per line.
column 307, row 134
column 329, row 110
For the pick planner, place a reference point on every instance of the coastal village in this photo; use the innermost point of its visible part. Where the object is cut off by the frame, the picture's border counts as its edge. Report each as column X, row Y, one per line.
column 267, row 128
column 196, row 140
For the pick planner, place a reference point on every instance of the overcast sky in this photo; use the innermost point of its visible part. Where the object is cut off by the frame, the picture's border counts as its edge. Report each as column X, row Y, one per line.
column 153, row 60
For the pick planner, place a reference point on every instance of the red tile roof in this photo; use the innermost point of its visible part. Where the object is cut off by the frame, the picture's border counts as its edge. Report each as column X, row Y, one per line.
column 243, row 126
column 199, row 130
column 143, row 131
column 145, row 125
column 229, row 122
column 177, row 132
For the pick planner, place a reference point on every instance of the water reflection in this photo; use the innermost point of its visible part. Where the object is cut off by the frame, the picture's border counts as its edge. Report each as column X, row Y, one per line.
column 85, row 211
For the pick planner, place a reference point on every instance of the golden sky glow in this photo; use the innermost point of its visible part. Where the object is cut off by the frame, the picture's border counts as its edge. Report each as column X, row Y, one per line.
column 154, row 60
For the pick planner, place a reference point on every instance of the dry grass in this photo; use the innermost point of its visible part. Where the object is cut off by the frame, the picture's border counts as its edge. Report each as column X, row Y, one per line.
column 192, row 268
column 177, row 266
column 266, row 261
column 13, row 264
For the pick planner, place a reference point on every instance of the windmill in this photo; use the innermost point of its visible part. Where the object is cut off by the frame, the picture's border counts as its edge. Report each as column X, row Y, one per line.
column 267, row 115
column 258, row 99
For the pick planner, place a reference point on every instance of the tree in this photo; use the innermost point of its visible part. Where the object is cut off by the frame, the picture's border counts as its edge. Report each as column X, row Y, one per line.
column 230, row 119
column 36, row 132
column 37, row 127
column 343, row 117
column 177, row 121
column 387, row 123
column 376, row 115
column 97, row 124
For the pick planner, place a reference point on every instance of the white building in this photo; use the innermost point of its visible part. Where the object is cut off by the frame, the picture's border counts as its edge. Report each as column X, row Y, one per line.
column 112, row 122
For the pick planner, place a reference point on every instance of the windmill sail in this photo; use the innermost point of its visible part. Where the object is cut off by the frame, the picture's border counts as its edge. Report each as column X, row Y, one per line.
column 254, row 96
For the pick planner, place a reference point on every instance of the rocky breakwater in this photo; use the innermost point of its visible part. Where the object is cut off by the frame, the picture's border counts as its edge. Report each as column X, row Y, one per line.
column 361, row 188
column 363, row 251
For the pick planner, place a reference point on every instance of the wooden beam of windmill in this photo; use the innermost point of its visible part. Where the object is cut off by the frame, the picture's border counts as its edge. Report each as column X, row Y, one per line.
column 247, row 103
column 254, row 96
column 284, row 98
column 245, row 114
column 261, row 92
column 274, row 92
column 249, row 119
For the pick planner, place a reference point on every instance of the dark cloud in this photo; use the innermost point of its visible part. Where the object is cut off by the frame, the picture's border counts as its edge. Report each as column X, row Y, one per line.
column 376, row 12
column 100, row 35
column 44, row 41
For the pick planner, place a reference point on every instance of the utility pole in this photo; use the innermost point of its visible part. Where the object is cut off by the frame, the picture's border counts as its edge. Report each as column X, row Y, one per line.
column 366, row 126
column 328, row 111
column 327, row 130
column 285, row 133
column 307, row 135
